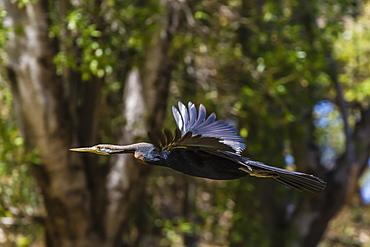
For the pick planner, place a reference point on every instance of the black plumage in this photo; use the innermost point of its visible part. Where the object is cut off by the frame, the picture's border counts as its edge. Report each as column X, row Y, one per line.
column 205, row 147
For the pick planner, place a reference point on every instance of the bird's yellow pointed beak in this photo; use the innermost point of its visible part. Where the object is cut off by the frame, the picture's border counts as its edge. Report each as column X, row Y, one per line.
column 86, row 150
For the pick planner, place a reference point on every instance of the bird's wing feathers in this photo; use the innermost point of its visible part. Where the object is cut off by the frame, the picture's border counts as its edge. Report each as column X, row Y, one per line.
column 189, row 120
column 162, row 139
column 165, row 140
column 197, row 141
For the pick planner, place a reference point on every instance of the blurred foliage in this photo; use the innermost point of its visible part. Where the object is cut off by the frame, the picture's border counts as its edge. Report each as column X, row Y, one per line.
column 20, row 199
column 260, row 65
column 352, row 50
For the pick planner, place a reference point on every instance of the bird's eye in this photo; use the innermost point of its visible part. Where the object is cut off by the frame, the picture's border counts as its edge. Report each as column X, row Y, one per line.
column 99, row 149
column 102, row 150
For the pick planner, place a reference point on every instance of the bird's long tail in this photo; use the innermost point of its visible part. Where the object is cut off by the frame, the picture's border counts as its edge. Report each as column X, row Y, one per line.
column 296, row 180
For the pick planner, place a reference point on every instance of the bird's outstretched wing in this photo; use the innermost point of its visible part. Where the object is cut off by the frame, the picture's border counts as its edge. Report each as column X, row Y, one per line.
column 189, row 120
column 165, row 140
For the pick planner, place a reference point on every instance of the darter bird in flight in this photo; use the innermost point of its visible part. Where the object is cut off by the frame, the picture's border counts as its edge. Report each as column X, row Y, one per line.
column 203, row 147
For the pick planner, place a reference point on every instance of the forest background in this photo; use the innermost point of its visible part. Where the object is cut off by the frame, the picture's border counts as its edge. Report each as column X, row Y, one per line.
column 292, row 75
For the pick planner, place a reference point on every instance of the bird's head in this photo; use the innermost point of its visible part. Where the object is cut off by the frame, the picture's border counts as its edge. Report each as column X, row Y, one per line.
column 107, row 149
column 97, row 149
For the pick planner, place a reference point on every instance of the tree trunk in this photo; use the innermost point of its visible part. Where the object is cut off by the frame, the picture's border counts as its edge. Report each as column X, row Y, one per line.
column 86, row 204
column 145, row 99
column 45, row 121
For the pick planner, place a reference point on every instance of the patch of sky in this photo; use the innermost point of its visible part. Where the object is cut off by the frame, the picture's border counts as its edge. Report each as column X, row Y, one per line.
column 321, row 111
column 329, row 131
column 365, row 185
column 289, row 159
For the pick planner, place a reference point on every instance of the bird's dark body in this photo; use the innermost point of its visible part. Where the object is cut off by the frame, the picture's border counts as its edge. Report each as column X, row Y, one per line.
column 199, row 163
column 204, row 147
